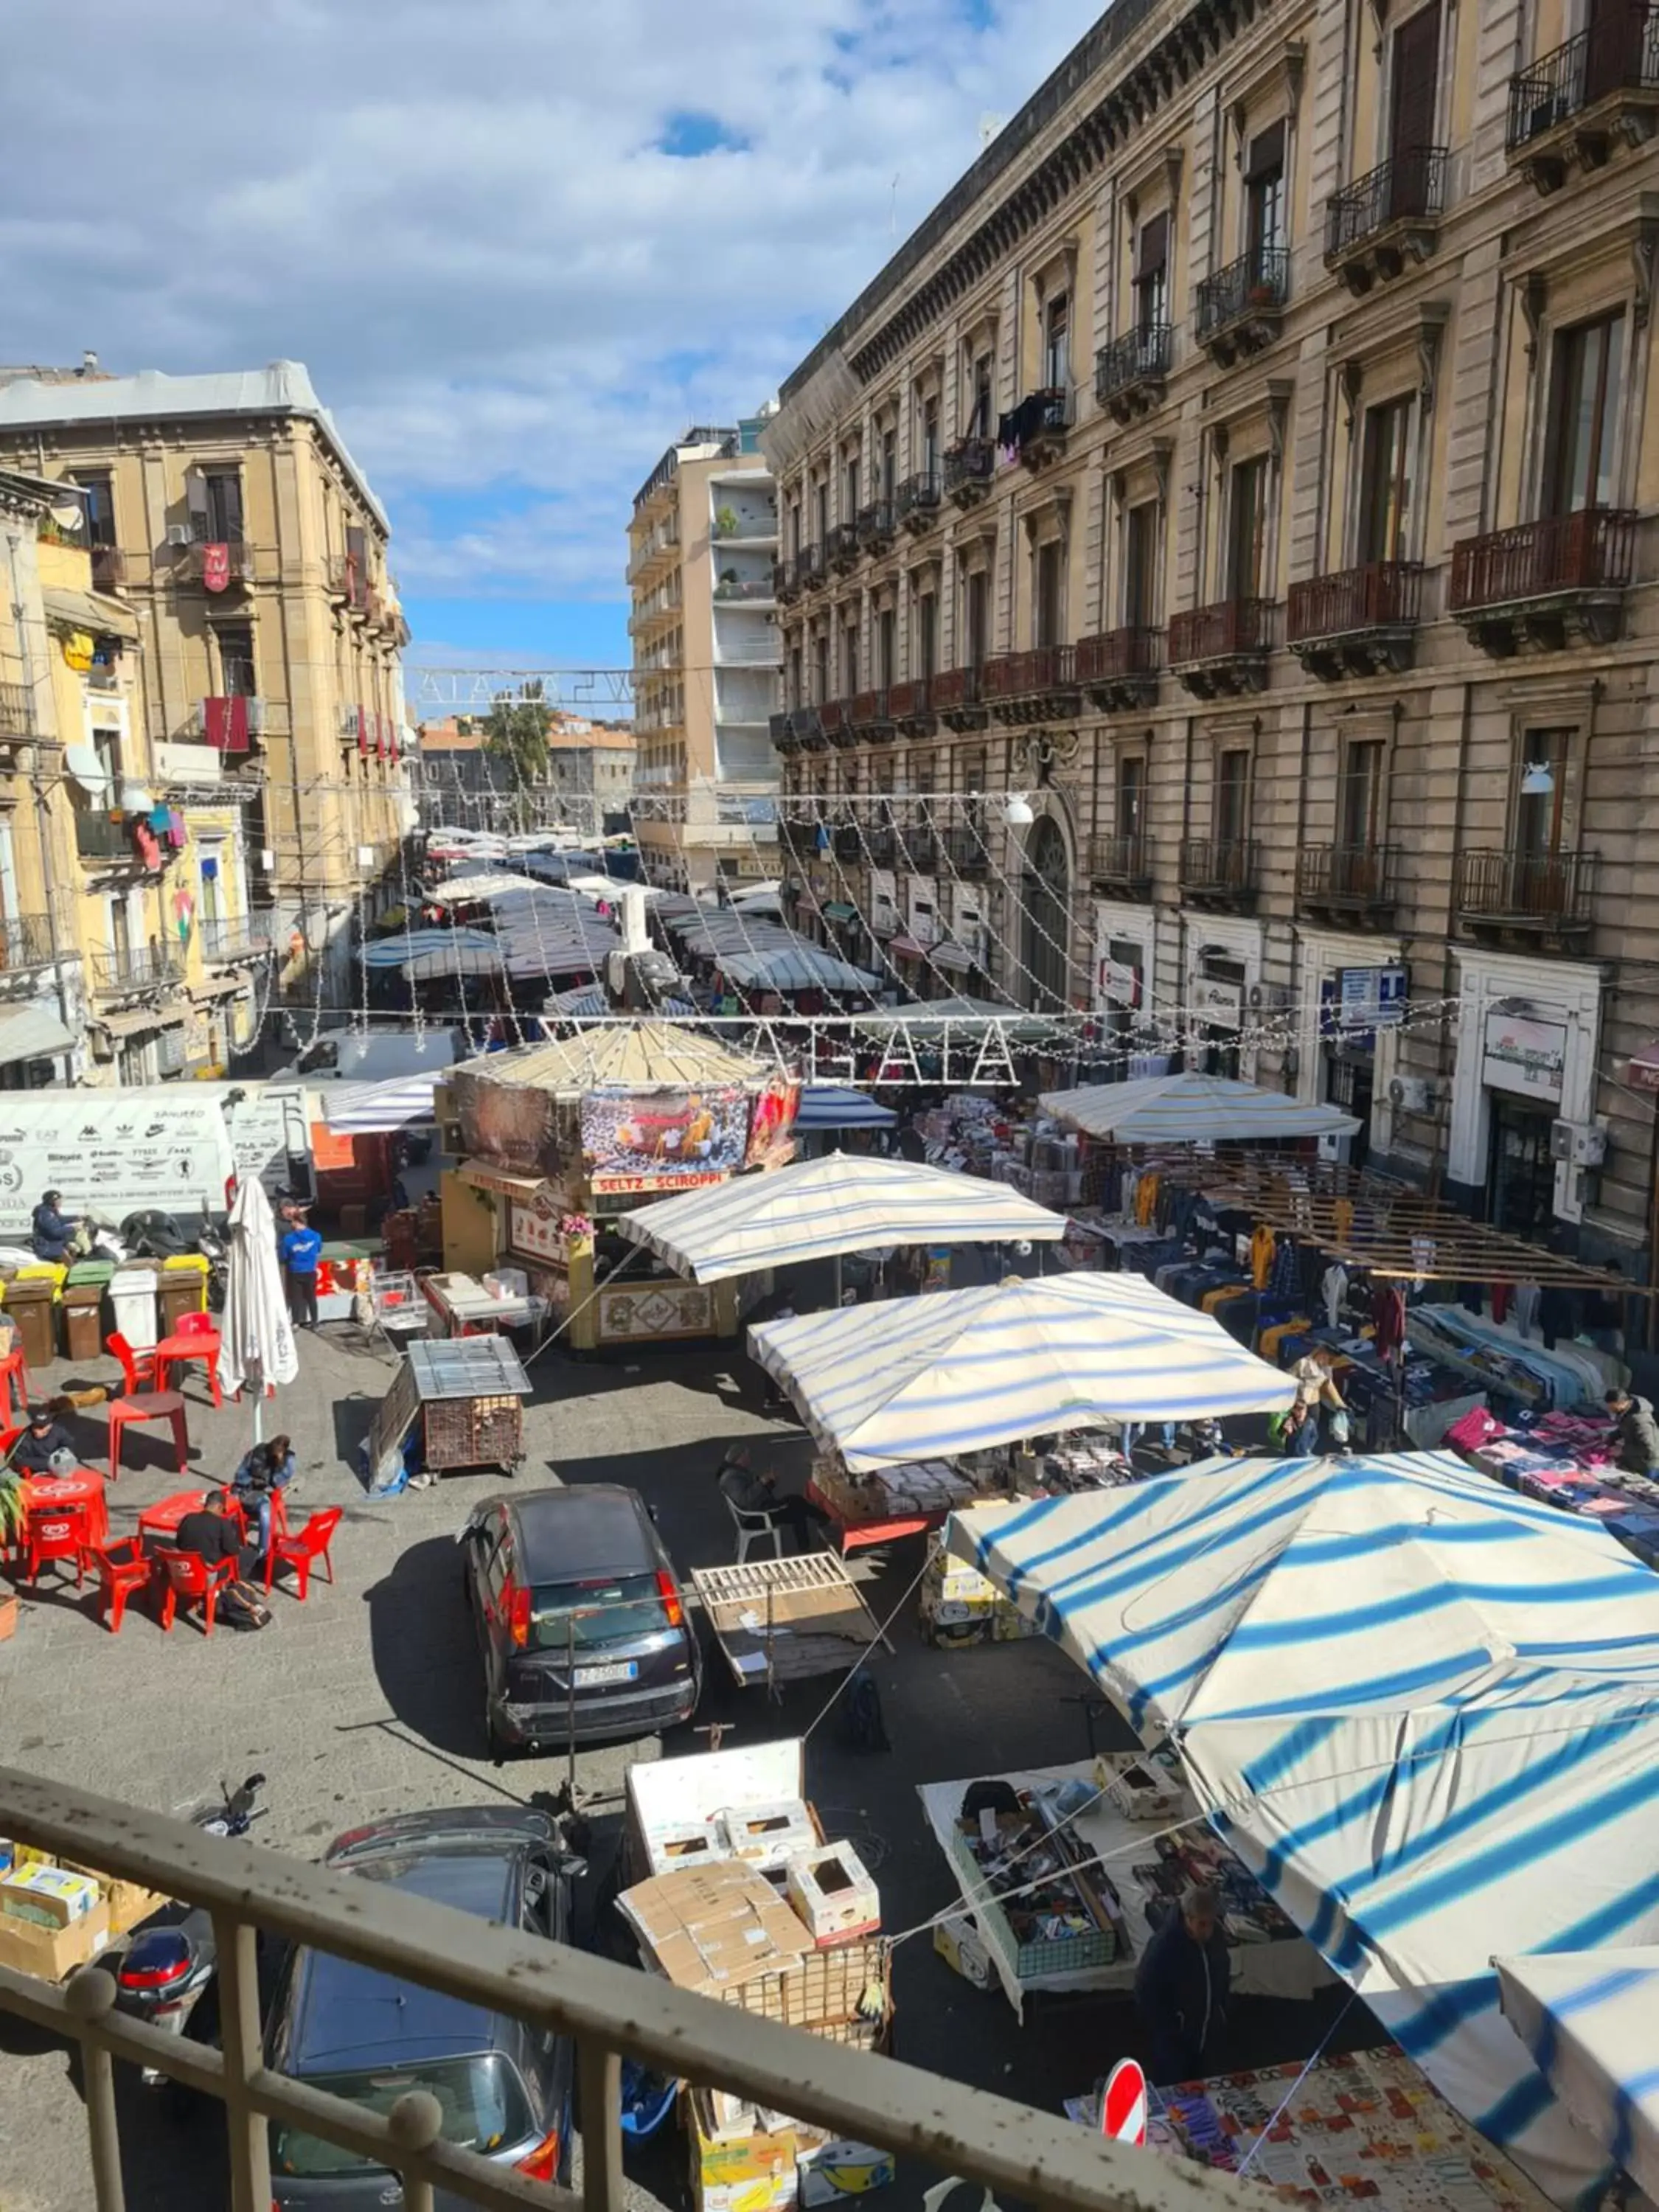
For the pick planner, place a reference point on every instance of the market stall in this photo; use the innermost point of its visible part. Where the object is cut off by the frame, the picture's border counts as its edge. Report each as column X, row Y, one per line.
column 1424, row 1711
column 1566, row 1460
column 1590, row 2020
column 1064, row 1871
column 929, row 1379
column 1365, row 2124
column 562, row 1141
column 1186, row 1109
column 451, row 1405
column 785, row 1619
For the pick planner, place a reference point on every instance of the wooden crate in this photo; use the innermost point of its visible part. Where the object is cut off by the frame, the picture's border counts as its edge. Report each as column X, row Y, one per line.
column 473, row 1431
column 821, row 1990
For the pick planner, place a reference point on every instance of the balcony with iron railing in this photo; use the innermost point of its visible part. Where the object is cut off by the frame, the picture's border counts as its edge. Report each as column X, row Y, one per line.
column 881, row 844
column 1525, row 897
column 969, row 466
column 1038, row 686
column 848, row 843
column 1387, row 219
column 1132, row 374
column 876, row 523
column 1036, row 429
column 1239, row 308
column 218, row 564
column 25, row 941
column 1577, row 106
column 916, row 502
column 958, row 698
column 1546, row 583
column 834, row 722
column 910, row 706
column 966, row 846
column 1123, row 865
column 810, row 567
column 1119, row 668
column 842, row 547
column 746, row 591
column 871, row 714
column 1219, row 872
column 348, row 583
column 1355, row 622
column 1223, row 648
column 1356, row 885
column 781, row 730
column 129, row 971
column 232, row 938
column 785, row 584
column 106, row 841
column 808, row 725
column 263, row 1902
column 919, row 846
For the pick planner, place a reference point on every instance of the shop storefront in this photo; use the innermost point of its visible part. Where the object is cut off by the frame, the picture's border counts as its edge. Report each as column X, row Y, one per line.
column 1125, row 939
column 1529, row 1032
column 1352, row 994
column 1221, row 968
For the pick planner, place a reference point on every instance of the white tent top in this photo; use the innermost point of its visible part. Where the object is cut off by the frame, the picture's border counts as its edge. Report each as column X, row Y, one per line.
column 841, row 1203
column 800, row 967
column 489, row 883
column 1590, row 2020
column 451, row 960
column 958, row 1370
column 1159, row 1110
column 363, row 1108
column 1423, row 1709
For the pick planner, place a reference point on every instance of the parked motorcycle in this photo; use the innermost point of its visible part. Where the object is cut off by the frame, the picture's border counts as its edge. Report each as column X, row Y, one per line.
column 171, row 1962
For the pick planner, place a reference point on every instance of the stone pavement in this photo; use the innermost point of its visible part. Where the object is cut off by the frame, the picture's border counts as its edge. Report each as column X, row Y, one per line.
column 366, row 1700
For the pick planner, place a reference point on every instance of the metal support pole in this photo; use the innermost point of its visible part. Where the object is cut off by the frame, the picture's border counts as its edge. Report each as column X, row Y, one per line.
column 239, row 2026
column 600, row 2073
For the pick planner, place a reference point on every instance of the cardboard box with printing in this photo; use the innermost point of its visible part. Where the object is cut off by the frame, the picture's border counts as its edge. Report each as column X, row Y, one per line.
column 714, row 1928
column 51, row 1896
column 52, row 1953
column 754, row 2173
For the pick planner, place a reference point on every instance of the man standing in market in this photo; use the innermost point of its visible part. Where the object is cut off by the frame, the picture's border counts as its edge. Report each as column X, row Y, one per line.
column 1181, row 1989
column 1637, row 1432
column 300, row 1247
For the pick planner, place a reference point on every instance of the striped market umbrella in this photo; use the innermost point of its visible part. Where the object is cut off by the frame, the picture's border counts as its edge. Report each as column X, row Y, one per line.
column 1162, row 1110
column 1590, row 2020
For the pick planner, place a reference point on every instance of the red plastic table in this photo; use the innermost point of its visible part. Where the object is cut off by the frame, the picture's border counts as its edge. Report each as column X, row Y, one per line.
column 163, row 1520
column 858, row 1535
column 180, row 1351
column 48, row 1493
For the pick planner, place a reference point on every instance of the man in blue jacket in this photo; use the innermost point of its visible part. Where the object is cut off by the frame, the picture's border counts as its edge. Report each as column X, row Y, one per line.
column 54, row 1230
column 1180, row 1988
column 300, row 1249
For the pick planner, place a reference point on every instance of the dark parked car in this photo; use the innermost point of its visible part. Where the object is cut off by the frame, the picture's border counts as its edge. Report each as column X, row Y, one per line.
column 505, row 2089
column 579, row 1619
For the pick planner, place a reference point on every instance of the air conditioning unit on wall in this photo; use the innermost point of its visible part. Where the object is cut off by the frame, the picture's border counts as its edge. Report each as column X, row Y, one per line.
column 1582, row 1143
column 1411, row 1094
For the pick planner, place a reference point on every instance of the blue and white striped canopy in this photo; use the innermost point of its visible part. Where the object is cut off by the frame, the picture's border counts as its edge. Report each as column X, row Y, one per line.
column 960, row 1371
column 1423, row 1710
column 843, row 1203
column 836, row 1106
column 1157, row 1109
column 362, row 1109
column 1590, row 2020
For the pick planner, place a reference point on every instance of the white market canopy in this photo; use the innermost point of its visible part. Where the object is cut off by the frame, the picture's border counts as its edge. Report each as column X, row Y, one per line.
column 1164, row 1109
column 796, row 967
column 1423, row 1709
column 960, row 1371
column 365, row 1108
column 480, row 889
column 1590, row 2020
column 815, row 1208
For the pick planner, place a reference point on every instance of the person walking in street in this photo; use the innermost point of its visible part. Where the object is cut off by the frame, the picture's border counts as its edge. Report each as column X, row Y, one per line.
column 1181, row 1989
column 300, row 1248
column 1315, row 1389
column 1637, row 1432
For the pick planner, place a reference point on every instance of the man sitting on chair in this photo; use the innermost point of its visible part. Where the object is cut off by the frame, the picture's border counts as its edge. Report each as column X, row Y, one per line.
column 759, row 1494
column 45, row 1447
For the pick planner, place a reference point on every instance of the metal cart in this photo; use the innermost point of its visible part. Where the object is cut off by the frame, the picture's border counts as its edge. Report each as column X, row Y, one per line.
column 467, row 1391
column 784, row 1620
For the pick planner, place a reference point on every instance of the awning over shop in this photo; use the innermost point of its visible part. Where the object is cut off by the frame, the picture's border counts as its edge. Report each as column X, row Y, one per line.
column 31, row 1033
column 815, row 1208
column 1590, row 2020
column 839, row 910
column 1161, row 1109
column 88, row 610
column 827, row 1106
column 362, row 1109
column 1423, row 1710
column 955, row 958
column 905, row 948
column 959, row 1370
column 1642, row 1074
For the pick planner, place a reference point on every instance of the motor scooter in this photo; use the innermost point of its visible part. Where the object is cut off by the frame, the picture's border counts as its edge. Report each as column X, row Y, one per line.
column 171, row 1961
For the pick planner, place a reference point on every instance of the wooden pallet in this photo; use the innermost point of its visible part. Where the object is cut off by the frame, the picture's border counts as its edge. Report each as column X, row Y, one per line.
column 784, row 1620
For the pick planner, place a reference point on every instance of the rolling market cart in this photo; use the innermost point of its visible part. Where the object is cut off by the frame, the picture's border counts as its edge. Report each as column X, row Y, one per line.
column 467, row 1393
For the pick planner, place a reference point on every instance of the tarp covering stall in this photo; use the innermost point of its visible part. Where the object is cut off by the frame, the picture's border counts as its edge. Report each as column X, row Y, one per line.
column 960, row 1371
column 1423, row 1711
column 1590, row 2020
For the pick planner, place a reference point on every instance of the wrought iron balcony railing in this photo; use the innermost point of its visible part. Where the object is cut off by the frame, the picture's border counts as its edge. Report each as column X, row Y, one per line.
column 25, row 941
column 1255, row 286
column 1592, row 551
column 135, row 968
column 916, row 503
column 1410, row 188
column 969, row 466
column 1115, row 655
column 1038, row 425
column 876, row 525
column 1040, row 681
column 601, row 2007
column 1124, row 862
column 1381, row 595
column 1141, row 356
column 1524, row 890
column 841, row 546
column 1219, row 867
column 1347, row 878
column 246, row 937
column 1620, row 52
column 109, row 567
column 1218, row 632
column 16, row 710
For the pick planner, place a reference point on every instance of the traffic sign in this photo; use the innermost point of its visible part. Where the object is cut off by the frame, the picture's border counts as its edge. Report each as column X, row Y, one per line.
column 1123, row 2107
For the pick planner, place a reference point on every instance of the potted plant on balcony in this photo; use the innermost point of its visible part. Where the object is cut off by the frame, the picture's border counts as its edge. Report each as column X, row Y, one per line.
column 725, row 522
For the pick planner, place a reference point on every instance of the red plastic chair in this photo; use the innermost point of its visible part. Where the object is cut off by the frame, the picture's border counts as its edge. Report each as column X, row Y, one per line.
column 137, row 1368
column 62, row 1532
column 188, row 1577
column 124, row 1570
column 301, row 1550
column 196, row 1324
column 13, row 1374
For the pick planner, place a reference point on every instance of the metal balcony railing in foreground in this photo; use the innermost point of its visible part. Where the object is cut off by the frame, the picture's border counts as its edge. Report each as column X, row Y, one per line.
column 1593, row 550
column 1620, row 52
column 608, row 2011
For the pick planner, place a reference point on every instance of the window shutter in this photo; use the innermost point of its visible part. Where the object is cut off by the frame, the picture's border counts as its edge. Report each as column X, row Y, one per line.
column 1266, row 154
column 1152, row 247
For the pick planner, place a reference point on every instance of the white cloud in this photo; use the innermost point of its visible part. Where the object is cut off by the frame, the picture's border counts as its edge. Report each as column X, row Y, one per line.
column 459, row 218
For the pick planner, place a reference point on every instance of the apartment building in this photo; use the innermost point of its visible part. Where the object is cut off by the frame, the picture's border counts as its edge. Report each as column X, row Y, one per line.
column 226, row 515
column 701, row 546
column 459, row 783
column 1217, row 557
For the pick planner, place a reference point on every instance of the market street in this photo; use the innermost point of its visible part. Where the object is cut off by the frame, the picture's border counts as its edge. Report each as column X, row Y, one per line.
column 366, row 1701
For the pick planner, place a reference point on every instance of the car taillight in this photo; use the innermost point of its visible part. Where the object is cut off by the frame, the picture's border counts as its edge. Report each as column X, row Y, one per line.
column 543, row 2163
column 518, row 1614
column 154, row 1978
column 671, row 1598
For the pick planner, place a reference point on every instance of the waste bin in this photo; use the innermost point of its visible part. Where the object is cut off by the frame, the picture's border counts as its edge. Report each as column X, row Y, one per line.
column 133, row 1302
column 29, row 1303
column 83, row 1321
column 181, row 1292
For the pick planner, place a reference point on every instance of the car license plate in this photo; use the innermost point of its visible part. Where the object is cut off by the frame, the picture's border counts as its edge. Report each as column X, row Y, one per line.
column 588, row 1677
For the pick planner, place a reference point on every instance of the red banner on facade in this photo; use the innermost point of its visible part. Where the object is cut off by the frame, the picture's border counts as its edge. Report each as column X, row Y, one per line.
column 363, row 731
column 216, row 567
column 224, row 724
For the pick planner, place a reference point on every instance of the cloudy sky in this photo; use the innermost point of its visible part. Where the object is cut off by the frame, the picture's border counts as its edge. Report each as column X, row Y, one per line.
column 519, row 243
